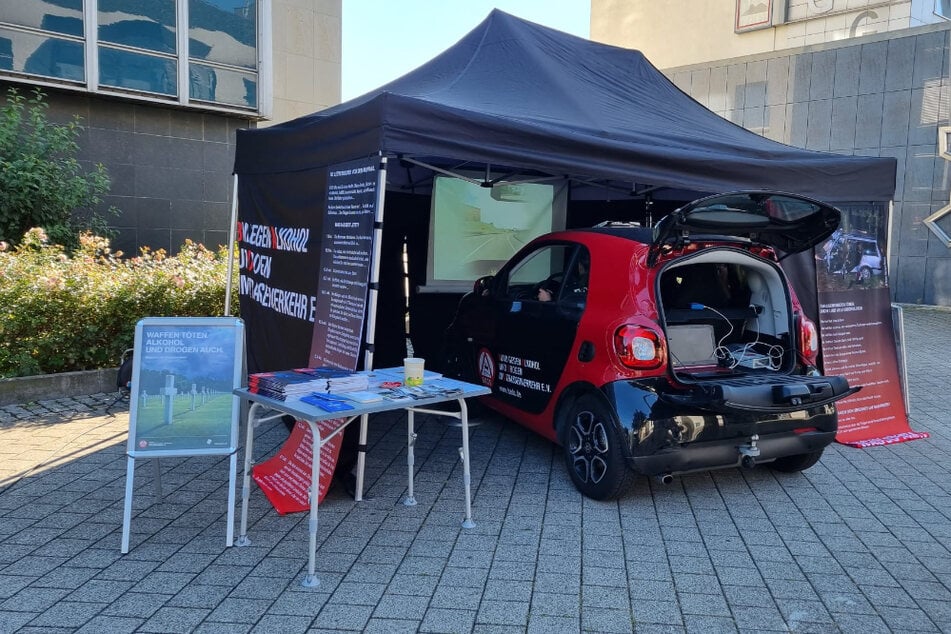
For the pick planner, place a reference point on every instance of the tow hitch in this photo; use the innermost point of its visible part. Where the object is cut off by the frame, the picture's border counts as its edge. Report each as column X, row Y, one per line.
column 749, row 452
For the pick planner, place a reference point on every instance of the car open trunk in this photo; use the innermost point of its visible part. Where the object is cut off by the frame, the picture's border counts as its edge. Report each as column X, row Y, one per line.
column 732, row 336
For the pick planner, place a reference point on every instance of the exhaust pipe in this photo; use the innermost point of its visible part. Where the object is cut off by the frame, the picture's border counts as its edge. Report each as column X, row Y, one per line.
column 747, row 462
column 664, row 478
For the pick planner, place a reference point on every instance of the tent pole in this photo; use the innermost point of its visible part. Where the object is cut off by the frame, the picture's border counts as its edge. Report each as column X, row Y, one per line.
column 231, row 245
column 375, row 264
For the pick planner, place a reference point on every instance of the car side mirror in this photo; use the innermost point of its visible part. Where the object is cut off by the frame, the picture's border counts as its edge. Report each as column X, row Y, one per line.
column 483, row 285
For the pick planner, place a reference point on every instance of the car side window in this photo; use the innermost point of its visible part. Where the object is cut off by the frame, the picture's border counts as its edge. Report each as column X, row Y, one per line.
column 575, row 289
column 540, row 275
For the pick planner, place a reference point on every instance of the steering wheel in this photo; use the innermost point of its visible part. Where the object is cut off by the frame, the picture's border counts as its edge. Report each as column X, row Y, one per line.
column 551, row 284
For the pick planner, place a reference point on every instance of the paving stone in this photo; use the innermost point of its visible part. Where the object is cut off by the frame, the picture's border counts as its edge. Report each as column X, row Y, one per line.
column 343, row 617
column 606, row 620
column 136, row 604
column 397, row 606
column 908, row 620
column 709, row 625
column 664, row 612
column 391, row 626
column 545, row 624
column 503, row 613
column 453, row 596
column 277, row 625
column 174, row 620
column 110, row 625
column 554, row 604
column 447, row 620
column 710, row 604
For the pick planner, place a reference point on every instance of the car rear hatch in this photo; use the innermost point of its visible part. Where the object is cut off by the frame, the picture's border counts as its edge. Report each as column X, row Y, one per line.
column 783, row 221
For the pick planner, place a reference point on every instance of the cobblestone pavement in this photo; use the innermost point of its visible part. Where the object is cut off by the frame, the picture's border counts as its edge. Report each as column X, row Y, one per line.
column 859, row 543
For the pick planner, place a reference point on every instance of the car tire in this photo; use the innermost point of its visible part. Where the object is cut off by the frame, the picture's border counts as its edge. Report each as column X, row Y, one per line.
column 593, row 450
column 798, row 462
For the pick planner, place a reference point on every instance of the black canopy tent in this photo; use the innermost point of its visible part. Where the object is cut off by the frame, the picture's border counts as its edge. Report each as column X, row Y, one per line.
column 517, row 100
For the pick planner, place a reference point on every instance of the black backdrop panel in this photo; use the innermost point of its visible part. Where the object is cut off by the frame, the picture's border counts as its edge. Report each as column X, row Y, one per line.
column 276, row 296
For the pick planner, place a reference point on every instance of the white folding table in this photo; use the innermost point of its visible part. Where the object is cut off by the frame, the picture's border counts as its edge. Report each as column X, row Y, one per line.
column 264, row 408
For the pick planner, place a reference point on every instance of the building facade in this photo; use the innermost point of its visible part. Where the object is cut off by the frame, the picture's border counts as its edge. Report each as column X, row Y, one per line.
column 680, row 32
column 162, row 85
column 810, row 78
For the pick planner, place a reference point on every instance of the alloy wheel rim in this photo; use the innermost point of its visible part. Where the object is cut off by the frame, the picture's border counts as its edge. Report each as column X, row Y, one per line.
column 588, row 446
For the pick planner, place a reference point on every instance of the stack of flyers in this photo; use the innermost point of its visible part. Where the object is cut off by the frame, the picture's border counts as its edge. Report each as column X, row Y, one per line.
column 290, row 384
column 283, row 385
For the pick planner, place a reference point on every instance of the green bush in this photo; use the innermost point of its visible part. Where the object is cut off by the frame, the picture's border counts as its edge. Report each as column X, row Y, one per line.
column 42, row 184
column 63, row 312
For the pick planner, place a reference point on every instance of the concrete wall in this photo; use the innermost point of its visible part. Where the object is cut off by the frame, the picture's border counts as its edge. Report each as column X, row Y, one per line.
column 880, row 95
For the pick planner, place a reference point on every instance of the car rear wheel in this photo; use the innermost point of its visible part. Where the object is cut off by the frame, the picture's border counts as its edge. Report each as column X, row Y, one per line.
column 592, row 448
column 799, row 462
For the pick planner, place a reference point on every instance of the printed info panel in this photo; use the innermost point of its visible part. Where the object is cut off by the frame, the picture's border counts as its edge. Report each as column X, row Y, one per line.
column 345, row 255
column 857, row 342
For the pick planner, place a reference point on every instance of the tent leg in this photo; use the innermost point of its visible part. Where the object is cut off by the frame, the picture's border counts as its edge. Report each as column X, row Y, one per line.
column 375, row 264
column 231, row 245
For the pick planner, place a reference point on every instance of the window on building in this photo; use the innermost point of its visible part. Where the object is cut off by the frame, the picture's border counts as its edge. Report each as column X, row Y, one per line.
column 139, row 47
column 942, row 8
column 222, row 51
column 44, row 38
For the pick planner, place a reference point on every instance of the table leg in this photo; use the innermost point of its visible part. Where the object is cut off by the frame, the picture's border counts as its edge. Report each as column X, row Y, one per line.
column 311, row 580
column 361, row 457
column 246, row 478
column 410, row 499
column 232, row 480
column 466, row 479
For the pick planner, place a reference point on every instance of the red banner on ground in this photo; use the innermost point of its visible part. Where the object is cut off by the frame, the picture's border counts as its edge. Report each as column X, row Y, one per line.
column 858, row 343
column 285, row 477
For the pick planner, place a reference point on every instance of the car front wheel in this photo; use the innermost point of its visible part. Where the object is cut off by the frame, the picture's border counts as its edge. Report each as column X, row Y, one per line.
column 592, row 448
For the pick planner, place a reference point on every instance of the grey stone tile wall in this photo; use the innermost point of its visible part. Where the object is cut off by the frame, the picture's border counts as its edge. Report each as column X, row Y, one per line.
column 879, row 95
column 170, row 167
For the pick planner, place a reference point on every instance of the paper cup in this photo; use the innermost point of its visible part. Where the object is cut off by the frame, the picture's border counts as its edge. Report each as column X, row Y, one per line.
column 412, row 371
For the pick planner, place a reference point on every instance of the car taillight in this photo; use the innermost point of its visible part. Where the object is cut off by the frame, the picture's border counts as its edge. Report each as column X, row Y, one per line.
column 808, row 339
column 638, row 348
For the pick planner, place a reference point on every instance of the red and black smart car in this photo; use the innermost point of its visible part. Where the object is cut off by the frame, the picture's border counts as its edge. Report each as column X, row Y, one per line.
column 658, row 351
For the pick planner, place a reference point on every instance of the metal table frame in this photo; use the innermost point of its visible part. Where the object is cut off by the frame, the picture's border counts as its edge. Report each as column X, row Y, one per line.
column 263, row 409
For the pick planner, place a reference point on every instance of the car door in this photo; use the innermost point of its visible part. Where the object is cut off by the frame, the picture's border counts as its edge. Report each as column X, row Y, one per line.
column 536, row 305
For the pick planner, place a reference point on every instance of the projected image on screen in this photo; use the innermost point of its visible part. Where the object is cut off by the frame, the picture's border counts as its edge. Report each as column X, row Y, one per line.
column 474, row 230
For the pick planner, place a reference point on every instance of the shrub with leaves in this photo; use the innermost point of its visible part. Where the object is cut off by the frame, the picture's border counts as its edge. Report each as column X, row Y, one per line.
column 42, row 183
column 63, row 312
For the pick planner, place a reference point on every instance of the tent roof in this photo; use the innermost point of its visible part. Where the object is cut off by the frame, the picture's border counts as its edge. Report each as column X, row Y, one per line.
column 513, row 93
